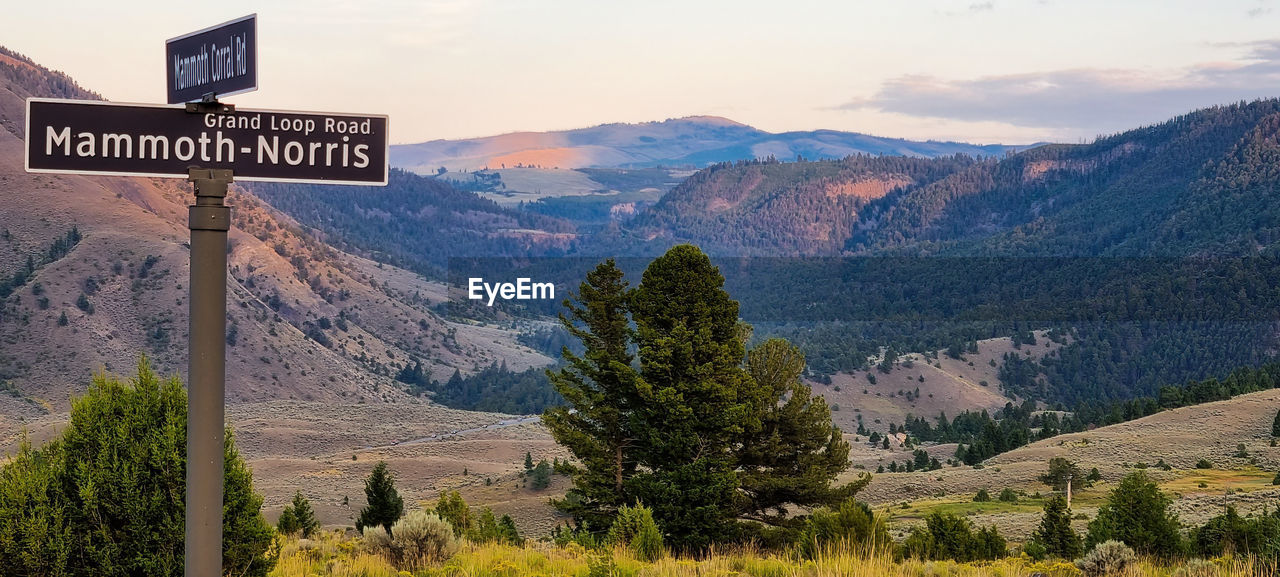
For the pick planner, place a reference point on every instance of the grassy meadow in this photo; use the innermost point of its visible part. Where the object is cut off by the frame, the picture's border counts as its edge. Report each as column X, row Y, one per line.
column 336, row 554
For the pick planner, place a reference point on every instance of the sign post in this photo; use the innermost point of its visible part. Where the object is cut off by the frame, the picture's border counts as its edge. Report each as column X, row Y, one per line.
column 206, row 142
column 209, row 222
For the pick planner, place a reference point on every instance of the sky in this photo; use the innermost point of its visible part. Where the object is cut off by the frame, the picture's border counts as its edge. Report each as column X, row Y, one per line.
column 987, row 71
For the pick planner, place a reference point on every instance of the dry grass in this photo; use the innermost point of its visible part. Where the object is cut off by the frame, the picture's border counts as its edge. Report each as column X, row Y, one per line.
column 334, row 555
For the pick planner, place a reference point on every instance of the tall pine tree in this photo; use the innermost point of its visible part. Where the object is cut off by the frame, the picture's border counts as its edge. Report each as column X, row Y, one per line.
column 702, row 433
column 696, row 399
column 599, row 388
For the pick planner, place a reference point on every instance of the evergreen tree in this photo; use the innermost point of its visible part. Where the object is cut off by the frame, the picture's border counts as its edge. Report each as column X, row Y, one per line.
column 599, row 388
column 1275, row 426
column 528, row 461
column 1137, row 513
column 106, row 496
column 540, row 478
column 1062, row 475
column 454, row 510
column 1055, row 534
column 695, row 397
column 303, row 515
column 703, row 432
column 287, row 524
column 796, row 453
column 385, row 506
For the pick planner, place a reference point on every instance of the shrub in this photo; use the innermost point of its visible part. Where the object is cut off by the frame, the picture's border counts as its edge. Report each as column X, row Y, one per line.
column 490, row 529
column 1198, row 568
column 288, row 522
column 1204, row 464
column 852, row 524
column 1229, row 532
column 1107, row 558
column 298, row 516
column 1055, row 535
column 1008, row 496
column 416, row 540
column 1035, row 551
column 982, row 497
column 1137, row 513
column 946, row 536
column 634, row 527
column 541, row 475
column 105, row 497
column 454, row 510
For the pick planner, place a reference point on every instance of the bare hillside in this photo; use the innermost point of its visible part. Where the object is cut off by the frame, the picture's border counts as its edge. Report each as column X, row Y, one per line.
column 305, row 321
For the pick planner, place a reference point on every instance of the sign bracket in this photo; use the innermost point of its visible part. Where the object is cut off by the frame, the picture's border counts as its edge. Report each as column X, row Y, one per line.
column 208, row 106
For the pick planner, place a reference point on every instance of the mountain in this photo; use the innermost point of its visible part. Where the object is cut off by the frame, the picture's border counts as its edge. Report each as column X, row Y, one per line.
column 1204, row 182
column 95, row 270
column 692, row 141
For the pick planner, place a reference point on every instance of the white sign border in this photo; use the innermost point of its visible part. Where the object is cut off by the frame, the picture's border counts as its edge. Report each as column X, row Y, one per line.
column 26, row 148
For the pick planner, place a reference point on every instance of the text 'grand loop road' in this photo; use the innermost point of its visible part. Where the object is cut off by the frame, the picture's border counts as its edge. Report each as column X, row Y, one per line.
column 153, row 140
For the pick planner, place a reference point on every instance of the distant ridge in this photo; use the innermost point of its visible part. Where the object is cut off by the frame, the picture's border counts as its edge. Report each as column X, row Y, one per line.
column 695, row 141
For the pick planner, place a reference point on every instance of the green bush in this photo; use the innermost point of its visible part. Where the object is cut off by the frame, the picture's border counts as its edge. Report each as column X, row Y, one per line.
column 1137, row 514
column 1204, row 464
column 853, row 524
column 1229, row 532
column 635, row 528
column 1035, row 551
column 298, row 516
column 416, row 540
column 107, row 496
column 1055, row 535
column 947, row 536
column 982, row 497
column 1107, row 558
column 489, row 529
column 288, row 522
column 540, row 477
column 454, row 510
column 1008, row 495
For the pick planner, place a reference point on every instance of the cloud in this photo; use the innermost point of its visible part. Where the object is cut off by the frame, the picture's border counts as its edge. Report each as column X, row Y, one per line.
column 1083, row 101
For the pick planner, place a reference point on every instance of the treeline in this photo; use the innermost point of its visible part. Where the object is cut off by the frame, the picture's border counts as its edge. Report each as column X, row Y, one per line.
column 415, row 222
column 1144, row 191
column 982, row 436
column 36, row 80
column 494, row 389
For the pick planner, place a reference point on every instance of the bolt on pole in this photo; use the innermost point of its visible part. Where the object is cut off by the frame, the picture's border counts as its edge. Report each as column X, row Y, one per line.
column 206, row 372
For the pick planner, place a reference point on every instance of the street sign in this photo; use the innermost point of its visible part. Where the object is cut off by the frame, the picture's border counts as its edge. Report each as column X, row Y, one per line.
column 85, row 136
column 220, row 60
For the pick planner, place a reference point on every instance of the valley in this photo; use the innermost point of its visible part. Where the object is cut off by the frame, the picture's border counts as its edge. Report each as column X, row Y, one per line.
column 940, row 275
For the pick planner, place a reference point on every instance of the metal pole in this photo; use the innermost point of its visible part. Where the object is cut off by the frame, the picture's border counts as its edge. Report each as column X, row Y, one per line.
column 206, row 372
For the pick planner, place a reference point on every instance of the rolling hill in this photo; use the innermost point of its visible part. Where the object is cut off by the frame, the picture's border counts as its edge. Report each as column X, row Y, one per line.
column 692, row 141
